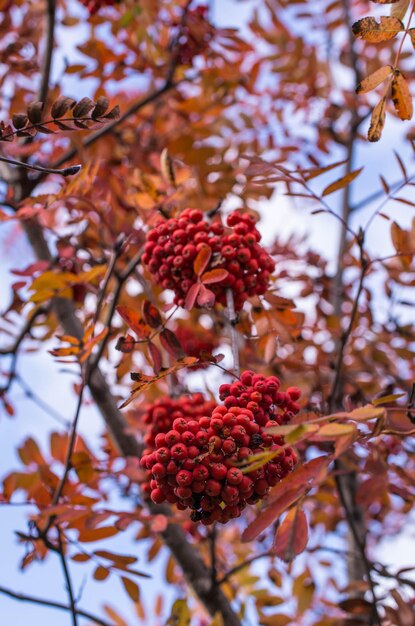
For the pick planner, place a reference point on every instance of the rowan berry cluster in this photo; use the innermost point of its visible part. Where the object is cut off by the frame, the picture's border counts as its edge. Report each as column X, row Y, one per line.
column 95, row 5
column 261, row 395
column 173, row 245
column 197, row 463
column 159, row 416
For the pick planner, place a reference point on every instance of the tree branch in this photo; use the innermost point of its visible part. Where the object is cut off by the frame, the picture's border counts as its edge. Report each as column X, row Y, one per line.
column 233, row 318
column 65, row 569
column 47, row 64
column 53, row 604
column 66, row 171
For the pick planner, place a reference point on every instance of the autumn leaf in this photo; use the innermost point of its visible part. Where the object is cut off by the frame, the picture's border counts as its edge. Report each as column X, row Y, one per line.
column 399, row 9
column 377, row 121
column 131, row 588
column 374, row 79
column 342, row 182
column 206, row 297
column 180, row 614
column 132, row 318
column 288, row 491
column 291, row 536
column 145, row 382
column 369, row 29
column 201, row 261
column 401, row 96
column 214, row 276
column 191, row 296
column 170, row 343
column 151, row 315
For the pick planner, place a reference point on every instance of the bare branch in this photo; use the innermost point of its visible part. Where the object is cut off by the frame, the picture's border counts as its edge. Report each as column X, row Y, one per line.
column 67, row 171
column 65, row 569
column 233, row 318
column 53, row 604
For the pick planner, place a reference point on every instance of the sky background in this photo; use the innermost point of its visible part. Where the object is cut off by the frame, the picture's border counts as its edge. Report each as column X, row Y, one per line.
column 43, row 375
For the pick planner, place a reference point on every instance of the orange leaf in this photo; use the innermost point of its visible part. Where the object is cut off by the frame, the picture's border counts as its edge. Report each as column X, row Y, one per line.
column 101, row 573
column 291, row 536
column 131, row 588
column 134, row 321
column 374, row 79
column 369, row 29
column 342, row 182
column 401, row 96
column 377, row 121
column 145, row 382
column 201, row 261
column 96, row 534
column 214, row 276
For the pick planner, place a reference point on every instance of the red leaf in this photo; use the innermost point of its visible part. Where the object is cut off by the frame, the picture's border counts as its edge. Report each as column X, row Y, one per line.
column 170, row 343
column 134, row 321
column 270, row 514
column 191, row 296
column 215, row 276
column 125, row 344
column 291, row 536
column 151, row 315
column 201, row 261
column 206, row 297
column 39, row 266
column 287, row 492
column 155, row 357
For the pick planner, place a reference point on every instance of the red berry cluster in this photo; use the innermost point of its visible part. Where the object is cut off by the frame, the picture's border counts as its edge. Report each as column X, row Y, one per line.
column 261, row 395
column 159, row 416
column 173, row 245
column 195, row 464
column 95, row 5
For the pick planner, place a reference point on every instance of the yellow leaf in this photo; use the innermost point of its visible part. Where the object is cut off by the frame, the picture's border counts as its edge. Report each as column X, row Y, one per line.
column 399, row 9
column 377, row 121
column 386, row 399
column 331, row 431
column 370, row 30
column 342, row 182
column 401, row 96
column 374, row 79
column 180, row 614
column 367, row 412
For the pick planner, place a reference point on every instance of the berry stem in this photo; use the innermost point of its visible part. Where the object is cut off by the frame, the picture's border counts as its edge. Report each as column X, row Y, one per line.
column 232, row 317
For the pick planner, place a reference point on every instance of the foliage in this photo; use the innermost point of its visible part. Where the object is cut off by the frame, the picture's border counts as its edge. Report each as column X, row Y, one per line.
column 272, row 388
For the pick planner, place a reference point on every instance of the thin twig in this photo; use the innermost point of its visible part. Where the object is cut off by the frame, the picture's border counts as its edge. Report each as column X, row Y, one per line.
column 241, row 566
column 232, row 317
column 71, row 445
column 47, row 63
column 53, row 604
column 67, row 171
column 65, row 569
column 212, row 547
